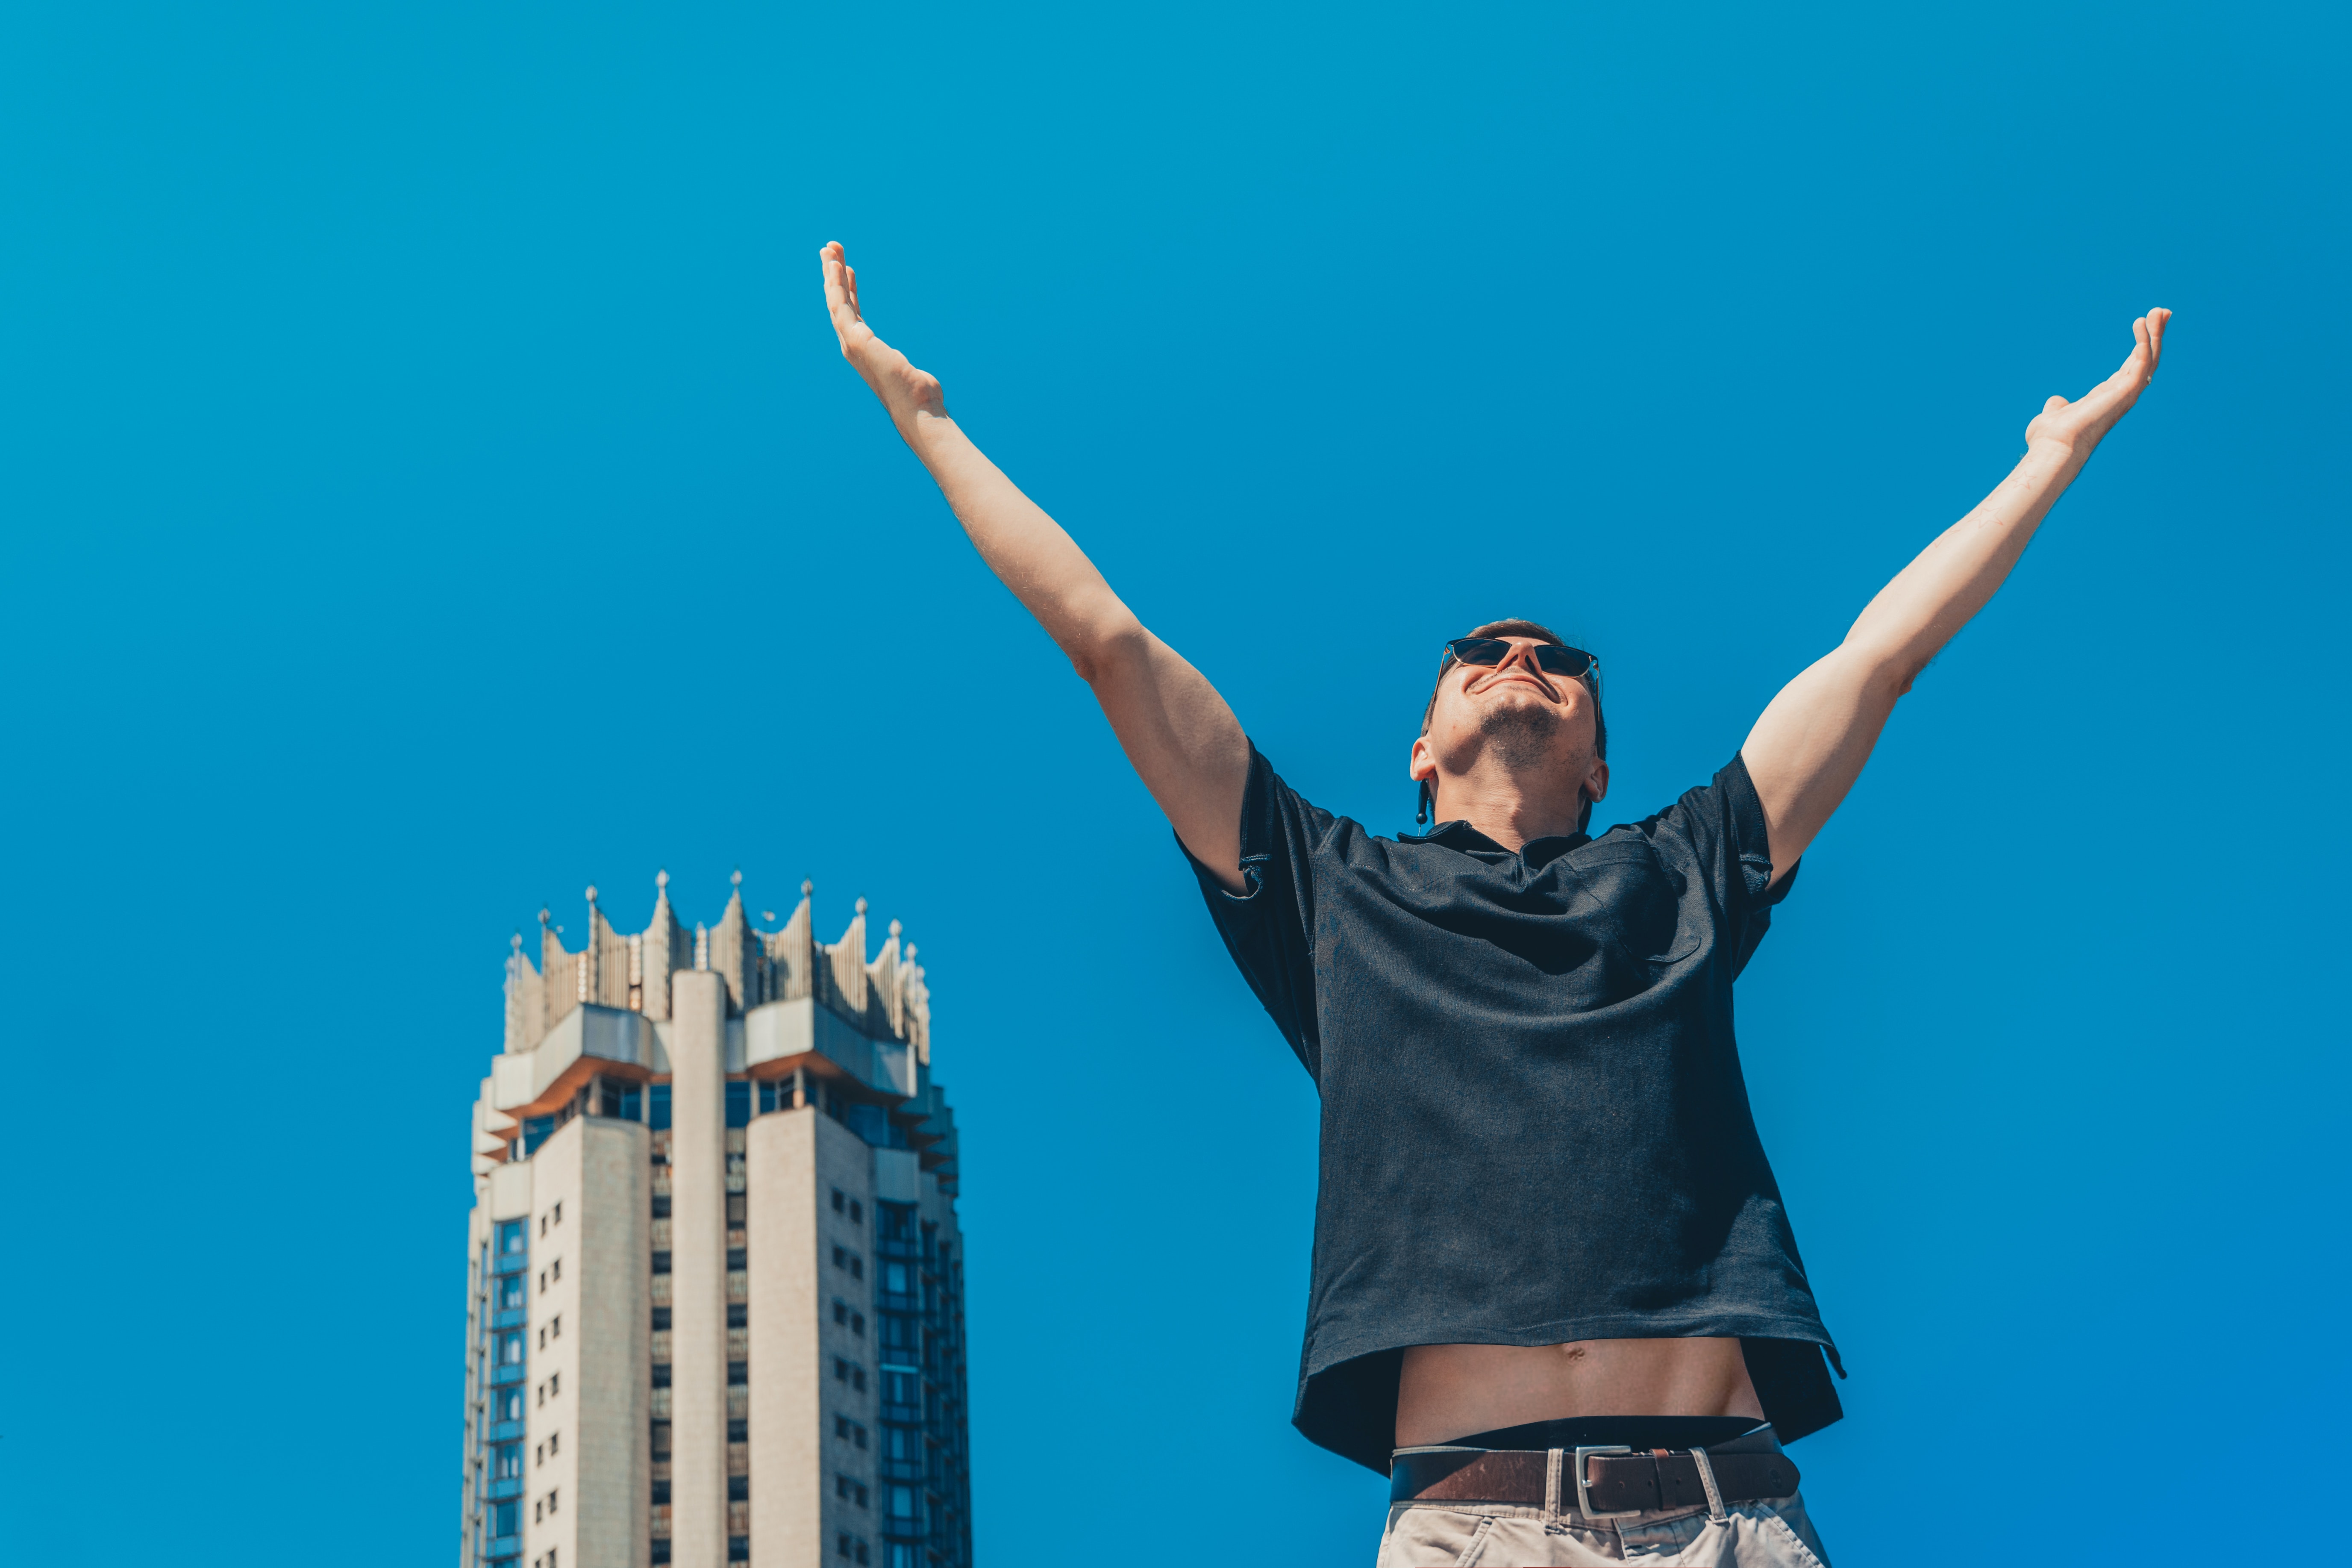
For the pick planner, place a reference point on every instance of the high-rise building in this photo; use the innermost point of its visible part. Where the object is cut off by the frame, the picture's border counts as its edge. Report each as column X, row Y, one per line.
column 714, row 1283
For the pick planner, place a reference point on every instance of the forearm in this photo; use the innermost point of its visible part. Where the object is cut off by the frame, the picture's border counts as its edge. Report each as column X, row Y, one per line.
column 1179, row 735
column 1812, row 741
column 1029, row 552
column 1911, row 619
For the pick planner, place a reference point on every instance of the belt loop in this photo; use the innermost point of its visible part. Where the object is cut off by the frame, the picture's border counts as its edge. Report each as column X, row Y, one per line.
column 1707, row 1479
column 1551, row 1485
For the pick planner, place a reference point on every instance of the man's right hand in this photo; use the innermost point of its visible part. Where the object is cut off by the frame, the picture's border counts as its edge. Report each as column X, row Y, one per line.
column 908, row 392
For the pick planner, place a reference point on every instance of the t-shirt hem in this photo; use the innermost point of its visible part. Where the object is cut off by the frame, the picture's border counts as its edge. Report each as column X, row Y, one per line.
column 1615, row 1326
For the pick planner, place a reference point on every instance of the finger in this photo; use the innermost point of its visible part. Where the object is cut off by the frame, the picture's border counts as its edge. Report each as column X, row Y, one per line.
column 2052, row 406
column 849, row 275
column 2157, row 320
column 836, row 283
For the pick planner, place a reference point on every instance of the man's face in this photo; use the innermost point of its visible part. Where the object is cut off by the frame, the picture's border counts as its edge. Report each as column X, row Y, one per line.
column 1515, row 716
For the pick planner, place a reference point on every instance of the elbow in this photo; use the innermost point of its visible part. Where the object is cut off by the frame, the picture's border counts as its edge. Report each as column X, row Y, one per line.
column 1885, row 671
column 1096, row 652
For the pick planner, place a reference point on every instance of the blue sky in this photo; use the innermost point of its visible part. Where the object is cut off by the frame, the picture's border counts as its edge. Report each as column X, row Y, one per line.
column 427, row 486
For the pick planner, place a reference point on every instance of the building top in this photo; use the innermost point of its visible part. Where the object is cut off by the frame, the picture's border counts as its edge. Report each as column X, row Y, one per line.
column 883, row 999
column 854, row 1033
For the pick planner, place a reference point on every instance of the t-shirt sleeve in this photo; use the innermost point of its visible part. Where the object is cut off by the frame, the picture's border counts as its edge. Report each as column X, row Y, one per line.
column 1719, row 828
column 1267, row 927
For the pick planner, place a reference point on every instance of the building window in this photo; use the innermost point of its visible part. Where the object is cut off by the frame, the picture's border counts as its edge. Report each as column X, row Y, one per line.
column 739, row 1431
column 738, row 1374
column 506, row 1404
column 857, row 1325
column 739, row 1548
column 739, row 1488
column 510, row 1237
column 554, row 1442
column 739, row 1315
column 735, row 1258
column 840, row 1311
column 661, row 1262
column 620, row 1099
column 839, row 1201
column 506, row 1519
column 739, row 1105
column 856, row 1267
column 661, row 1317
column 555, row 1383
column 858, row 1377
column 558, row 1211
column 851, row 1488
column 550, row 1502
column 506, row 1461
column 510, row 1348
column 857, row 1211
column 735, row 1210
column 511, row 1292
column 658, row 1108
column 556, row 1269
column 555, row 1329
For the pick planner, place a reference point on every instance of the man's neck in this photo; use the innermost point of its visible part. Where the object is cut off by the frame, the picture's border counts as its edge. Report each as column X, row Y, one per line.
column 1510, row 815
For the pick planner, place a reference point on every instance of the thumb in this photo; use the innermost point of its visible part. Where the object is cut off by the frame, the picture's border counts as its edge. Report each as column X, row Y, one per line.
column 2054, row 405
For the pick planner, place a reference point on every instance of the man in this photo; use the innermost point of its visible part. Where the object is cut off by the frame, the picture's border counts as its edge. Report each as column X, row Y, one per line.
column 1555, row 1297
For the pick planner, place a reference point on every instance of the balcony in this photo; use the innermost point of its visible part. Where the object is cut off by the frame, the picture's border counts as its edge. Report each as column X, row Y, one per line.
column 509, row 1373
column 511, row 1486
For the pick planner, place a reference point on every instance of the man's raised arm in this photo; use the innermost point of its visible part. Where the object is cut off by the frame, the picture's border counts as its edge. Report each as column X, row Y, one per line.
column 1811, row 743
column 1177, row 731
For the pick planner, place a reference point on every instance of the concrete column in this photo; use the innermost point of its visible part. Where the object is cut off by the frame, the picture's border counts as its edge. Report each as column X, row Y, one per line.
column 697, row 1109
column 792, row 1448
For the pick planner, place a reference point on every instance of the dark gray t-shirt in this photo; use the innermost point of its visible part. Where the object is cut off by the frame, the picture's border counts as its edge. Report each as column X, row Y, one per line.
column 1535, row 1128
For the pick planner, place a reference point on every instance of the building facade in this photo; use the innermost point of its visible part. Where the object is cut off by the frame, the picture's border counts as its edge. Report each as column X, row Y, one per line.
column 715, row 1286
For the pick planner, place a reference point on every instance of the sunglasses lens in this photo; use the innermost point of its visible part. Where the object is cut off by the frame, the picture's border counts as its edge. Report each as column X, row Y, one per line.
column 1570, row 662
column 1485, row 652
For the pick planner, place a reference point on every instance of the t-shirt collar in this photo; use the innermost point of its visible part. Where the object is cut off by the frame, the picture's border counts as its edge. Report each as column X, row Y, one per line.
column 1460, row 836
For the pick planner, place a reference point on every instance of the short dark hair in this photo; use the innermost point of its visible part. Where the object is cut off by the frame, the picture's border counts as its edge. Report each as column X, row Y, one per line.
column 1590, row 680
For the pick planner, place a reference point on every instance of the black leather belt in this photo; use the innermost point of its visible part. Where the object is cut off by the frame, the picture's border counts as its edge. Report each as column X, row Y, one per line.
column 1596, row 1482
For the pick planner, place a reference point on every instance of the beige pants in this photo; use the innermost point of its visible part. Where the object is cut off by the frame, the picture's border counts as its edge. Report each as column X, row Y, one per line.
column 1769, row 1533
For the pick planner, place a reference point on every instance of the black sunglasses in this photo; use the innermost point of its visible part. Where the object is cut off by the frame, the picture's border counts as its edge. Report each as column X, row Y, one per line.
column 1568, row 663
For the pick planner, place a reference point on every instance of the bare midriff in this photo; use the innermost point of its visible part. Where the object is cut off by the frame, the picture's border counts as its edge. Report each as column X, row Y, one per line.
column 1454, row 1391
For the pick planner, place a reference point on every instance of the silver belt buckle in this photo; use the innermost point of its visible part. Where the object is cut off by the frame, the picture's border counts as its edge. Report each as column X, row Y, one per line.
column 1583, row 1498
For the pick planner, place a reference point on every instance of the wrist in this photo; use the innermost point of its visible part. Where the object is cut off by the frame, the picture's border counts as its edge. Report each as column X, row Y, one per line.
column 2052, row 452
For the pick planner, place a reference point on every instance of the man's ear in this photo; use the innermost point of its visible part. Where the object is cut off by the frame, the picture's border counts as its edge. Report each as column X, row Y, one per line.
column 1596, row 782
column 1421, row 764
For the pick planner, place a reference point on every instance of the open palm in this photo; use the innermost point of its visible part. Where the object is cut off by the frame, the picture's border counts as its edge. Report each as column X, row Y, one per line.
column 2081, row 424
column 904, row 390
